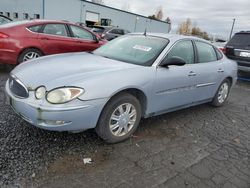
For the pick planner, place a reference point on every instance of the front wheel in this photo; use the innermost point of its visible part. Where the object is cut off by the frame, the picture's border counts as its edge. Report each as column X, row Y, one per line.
column 119, row 119
column 222, row 93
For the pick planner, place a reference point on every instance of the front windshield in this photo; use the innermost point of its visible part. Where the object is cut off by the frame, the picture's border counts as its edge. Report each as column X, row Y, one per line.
column 135, row 49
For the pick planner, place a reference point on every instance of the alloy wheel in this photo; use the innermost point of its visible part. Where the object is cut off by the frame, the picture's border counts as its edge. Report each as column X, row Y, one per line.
column 223, row 92
column 30, row 55
column 123, row 119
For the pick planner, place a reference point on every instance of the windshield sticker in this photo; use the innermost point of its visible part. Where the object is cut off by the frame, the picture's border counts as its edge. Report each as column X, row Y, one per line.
column 143, row 48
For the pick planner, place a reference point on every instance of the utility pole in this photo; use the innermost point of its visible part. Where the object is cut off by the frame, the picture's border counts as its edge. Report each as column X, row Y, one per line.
column 43, row 9
column 232, row 29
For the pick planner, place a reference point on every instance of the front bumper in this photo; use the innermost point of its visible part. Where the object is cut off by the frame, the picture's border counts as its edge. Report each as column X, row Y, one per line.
column 8, row 56
column 74, row 116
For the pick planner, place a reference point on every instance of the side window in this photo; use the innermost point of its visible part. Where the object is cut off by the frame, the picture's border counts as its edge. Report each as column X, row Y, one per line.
column 206, row 52
column 116, row 31
column 184, row 50
column 81, row 33
column 55, row 29
column 35, row 28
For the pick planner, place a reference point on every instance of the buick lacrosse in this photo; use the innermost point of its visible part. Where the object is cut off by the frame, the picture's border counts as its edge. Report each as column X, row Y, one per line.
column 110, row 89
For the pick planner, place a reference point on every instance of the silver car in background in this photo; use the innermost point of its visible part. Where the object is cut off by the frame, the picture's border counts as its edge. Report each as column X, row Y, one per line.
column 112, row 88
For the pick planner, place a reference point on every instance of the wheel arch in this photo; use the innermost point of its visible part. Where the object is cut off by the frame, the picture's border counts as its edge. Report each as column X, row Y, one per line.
column 230, row 80
column 138, row 93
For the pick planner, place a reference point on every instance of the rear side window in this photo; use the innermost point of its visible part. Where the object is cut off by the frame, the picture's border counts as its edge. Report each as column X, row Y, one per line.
column 55, row 29
column 184, row 50
column 206, row 52
column 36, row 28
column 240, row 39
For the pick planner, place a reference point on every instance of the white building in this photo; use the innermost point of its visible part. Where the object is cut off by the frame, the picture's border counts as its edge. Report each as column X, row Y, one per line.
column 80, row 11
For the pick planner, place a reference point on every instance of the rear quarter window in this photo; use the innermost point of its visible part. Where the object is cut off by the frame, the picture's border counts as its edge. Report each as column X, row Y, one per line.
column 35, row 28
column 219, row 53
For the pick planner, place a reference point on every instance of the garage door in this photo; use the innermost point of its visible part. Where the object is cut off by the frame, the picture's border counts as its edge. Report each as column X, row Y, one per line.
column 92, row 16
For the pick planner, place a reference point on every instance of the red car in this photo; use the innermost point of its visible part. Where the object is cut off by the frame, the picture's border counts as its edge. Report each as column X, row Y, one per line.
column 24, row 40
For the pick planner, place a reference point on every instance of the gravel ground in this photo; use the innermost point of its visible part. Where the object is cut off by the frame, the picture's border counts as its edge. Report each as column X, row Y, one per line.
column 196, row 147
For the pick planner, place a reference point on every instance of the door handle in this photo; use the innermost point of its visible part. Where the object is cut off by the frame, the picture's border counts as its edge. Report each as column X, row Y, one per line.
column 192, row 73
column 220, row 70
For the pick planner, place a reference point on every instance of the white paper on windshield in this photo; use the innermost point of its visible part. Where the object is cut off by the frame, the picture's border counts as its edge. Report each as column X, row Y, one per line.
column 143, row 48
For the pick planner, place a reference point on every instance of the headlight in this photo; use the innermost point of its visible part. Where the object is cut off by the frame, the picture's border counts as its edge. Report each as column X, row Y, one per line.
column 64, row 95
column 40, row 92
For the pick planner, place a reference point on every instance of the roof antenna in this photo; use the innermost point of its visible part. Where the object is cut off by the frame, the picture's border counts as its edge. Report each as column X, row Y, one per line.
column 145, row 32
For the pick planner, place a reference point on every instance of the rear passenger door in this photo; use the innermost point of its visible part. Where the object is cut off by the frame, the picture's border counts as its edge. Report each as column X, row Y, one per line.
column 209, row 71
column 175, row 85
column 54, row 38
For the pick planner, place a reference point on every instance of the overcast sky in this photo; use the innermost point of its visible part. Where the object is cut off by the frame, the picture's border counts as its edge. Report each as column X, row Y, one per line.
column 213, row 16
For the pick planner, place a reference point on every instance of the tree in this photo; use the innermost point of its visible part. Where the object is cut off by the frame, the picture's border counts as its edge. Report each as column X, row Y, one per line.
column 185, row 27
column 98, row 2
column 159, row 13
column 152, row 17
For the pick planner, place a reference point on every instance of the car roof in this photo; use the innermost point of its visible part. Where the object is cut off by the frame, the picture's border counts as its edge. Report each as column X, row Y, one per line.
column 33, row 22
column 243, row 32
column 171, row 36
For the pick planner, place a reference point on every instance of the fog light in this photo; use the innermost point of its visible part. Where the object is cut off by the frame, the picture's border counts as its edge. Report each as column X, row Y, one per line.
column 53, row 122
column 40, row 92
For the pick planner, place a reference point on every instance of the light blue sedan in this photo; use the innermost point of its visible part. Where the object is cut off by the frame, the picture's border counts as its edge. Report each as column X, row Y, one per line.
column 112, row 88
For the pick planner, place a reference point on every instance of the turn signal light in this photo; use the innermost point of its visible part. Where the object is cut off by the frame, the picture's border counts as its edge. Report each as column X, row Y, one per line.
column 2, row 35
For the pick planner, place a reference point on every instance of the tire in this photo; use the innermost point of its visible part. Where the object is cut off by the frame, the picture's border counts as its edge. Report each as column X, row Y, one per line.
column 28, row 54
column 9, row 67
column 220, row 97
column 114, row 126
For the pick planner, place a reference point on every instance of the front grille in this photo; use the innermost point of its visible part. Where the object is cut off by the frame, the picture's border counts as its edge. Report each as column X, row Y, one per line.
column 18, row 88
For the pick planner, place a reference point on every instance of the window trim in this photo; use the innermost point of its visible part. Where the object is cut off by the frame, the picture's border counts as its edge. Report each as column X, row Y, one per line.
column 198, row 58
column 65, row 25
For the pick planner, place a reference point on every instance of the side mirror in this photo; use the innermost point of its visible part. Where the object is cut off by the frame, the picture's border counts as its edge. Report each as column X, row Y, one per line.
column 173, row 61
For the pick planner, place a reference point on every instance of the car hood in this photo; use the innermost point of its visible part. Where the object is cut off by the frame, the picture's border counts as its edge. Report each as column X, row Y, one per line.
column 62, row 70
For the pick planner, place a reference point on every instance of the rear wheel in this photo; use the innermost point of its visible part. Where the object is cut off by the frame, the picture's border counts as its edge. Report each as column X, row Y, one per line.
column 222, row 93
column 28, row 54
column 119, row 119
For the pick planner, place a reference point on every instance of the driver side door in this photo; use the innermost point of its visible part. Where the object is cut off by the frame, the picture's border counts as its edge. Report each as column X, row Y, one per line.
column 175, row 85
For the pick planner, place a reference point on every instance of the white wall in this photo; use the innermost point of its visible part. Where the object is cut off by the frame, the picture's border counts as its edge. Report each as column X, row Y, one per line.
column 22, row 6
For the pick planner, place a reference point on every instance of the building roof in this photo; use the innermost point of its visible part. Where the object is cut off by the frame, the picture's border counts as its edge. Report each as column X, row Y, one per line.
column 123, row 11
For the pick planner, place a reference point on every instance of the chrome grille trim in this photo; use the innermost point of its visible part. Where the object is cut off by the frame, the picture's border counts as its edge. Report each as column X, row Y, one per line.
column 13, row 79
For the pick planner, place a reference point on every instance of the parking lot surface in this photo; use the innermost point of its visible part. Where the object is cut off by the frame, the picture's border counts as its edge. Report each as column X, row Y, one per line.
column 201, row 146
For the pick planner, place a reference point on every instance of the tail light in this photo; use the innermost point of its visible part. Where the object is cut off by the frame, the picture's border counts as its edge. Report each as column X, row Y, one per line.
column 223, row 50
column 3, row 36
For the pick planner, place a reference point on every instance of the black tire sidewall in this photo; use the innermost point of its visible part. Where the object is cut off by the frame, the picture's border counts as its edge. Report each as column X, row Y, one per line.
column 102, row 127
column 215, row 101
column 21, row 56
